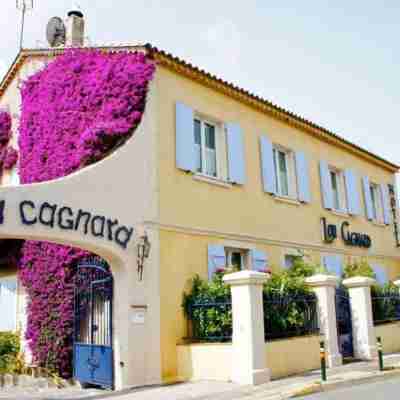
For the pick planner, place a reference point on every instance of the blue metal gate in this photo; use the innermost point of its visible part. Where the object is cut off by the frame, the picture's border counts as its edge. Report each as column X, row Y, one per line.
column 344, row 324
column 93, row 351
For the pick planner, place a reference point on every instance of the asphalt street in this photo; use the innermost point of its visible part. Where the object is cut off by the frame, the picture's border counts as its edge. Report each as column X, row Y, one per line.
column 387, row 390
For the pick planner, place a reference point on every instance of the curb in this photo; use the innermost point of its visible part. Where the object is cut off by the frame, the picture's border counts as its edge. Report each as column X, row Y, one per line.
column 330, row 386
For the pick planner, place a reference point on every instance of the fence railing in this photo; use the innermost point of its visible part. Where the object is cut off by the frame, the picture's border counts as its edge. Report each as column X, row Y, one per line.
column 287, row 316
column 386, row 306
column 211, row 322
column 284, row 317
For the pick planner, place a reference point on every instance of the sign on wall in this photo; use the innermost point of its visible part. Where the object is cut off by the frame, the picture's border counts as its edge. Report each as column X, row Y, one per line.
column 330, row 233
column 55, row 216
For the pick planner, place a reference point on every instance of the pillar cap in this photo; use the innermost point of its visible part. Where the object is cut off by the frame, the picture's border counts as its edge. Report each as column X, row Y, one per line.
column 246, row 277
column 321, row 280
column 359, row 281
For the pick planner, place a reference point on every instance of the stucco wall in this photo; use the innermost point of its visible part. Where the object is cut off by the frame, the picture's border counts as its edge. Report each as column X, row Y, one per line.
column 213, row 361
column 390, row 335
column 246, row 209
column 182, row 256
column 194, row 213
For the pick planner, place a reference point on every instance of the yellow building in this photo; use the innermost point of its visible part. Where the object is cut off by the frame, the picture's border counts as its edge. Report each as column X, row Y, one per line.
column 238, row 180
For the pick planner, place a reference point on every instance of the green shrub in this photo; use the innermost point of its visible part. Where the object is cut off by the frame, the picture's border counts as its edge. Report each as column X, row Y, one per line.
column 9, row 351
column 385, row 303
column 358, row 268
column 213, row 319
column 206, row 304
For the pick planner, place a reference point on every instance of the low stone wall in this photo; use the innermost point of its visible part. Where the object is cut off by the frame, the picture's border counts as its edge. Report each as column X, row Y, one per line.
column 293, row 356
column 213, row 361
column 390, row 334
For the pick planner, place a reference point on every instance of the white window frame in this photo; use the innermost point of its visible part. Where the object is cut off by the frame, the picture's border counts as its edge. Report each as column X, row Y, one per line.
column 244, row 253
column 376, row 202
column 341, row 189
column 290, row 169
column 217, row 129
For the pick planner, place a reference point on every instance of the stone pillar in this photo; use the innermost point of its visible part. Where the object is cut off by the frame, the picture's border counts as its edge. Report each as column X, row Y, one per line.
column 324, row 287
column 248, row 343
column 364, row 340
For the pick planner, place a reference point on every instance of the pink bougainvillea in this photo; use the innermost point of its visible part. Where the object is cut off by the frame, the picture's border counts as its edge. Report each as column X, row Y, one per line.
column 74, row 111
column 10, row 158
column 77, row 109
column 5, row 128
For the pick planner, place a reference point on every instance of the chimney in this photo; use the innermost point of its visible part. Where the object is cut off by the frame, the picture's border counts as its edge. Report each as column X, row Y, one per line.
column 75, row 25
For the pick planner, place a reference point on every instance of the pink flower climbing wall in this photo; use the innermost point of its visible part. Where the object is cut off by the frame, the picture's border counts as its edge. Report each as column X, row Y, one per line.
column 74, row 111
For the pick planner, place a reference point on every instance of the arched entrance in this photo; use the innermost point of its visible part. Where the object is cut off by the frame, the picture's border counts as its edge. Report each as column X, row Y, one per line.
column 93, row 308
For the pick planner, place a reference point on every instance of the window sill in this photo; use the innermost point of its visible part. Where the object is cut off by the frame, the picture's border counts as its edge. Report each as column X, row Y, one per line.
column 211, row 180
column 287, row 200
column 381, row 224
column 342, row 214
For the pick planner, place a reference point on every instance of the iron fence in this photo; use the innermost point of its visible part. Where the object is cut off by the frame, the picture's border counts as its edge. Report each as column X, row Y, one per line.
column 284, row 317
column 211, row 321
column 386, row 306
column 288, row 316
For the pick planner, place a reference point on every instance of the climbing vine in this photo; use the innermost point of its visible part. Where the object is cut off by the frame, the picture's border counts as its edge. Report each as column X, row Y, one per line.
column 8, row 155
column 76, row 110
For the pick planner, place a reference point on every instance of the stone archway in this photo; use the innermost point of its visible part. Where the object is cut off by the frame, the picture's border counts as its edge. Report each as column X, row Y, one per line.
column 92, row 210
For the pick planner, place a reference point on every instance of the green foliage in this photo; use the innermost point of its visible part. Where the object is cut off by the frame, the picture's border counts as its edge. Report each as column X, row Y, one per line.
column 358, row 268
column 207, row 304
column 287, row 298
column 213, row 319
column 291, row 282
column 9, row 352
column 385, row 303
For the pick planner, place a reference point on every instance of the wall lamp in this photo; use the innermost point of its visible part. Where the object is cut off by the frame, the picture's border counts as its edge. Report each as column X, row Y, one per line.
column 143, row 252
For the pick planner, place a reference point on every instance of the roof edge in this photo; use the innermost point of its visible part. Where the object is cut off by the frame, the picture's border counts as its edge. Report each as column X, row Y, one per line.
column 180, row 66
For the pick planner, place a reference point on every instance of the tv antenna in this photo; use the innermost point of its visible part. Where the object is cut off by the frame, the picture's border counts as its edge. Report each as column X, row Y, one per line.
column 23, row 6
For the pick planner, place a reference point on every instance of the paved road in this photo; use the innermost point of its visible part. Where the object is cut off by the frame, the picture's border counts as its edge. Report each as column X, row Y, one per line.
column 386, row 390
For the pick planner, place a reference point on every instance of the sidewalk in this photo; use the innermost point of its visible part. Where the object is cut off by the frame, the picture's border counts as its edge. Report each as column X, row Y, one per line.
column 347, row 375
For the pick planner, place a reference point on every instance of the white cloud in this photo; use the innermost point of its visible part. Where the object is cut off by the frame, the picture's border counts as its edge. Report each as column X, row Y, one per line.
column 224, row 40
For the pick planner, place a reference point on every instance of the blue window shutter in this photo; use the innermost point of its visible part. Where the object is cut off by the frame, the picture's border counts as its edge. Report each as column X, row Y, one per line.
column 303, row 177
column 326, row 186
column 380, row 274
column 353, row 196
column 236, row 161
column 367, row 198
column 385, row 203
column 259, row 260
column 267, row 166
column 185, row 146
column 334, row 264
column 216, row 259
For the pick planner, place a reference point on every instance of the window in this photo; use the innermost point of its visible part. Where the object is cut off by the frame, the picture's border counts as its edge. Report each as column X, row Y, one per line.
column 338, row 192
column 206, row 150
column 284, row 172
column 377, row 209
column 236, row 258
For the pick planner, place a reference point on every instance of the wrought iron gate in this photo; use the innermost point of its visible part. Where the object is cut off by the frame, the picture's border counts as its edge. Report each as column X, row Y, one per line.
column 93, row 351
column 344, row 324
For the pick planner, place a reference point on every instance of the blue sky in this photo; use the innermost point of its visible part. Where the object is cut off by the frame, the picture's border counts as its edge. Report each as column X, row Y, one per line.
column 334, row 62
